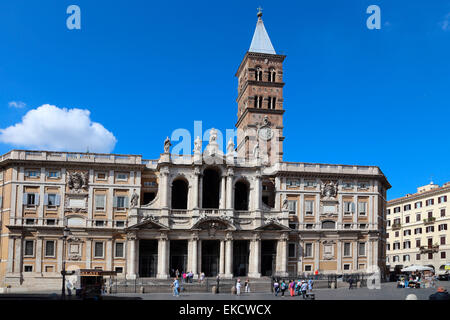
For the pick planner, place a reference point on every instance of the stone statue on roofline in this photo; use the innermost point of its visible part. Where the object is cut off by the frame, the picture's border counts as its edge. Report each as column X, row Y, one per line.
column 167, row 145
column 198, row 145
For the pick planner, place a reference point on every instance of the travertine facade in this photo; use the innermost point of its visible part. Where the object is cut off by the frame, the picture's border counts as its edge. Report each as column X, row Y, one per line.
column 232, row 214
column 418, row 229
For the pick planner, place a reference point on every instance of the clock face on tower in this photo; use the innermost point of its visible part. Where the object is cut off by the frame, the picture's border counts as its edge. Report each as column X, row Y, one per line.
column 265, row 133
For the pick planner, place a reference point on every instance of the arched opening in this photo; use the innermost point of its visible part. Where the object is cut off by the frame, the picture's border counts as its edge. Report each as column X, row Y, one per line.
column 241, row 192
column 328, row 224
column 179, row 194
column 268, row 193
column 211, row 189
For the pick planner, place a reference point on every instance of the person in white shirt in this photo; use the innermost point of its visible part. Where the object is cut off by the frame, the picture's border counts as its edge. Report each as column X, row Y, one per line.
column 238, row 287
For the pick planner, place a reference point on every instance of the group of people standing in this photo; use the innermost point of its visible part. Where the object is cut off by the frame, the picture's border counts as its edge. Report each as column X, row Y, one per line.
column 296, row 288
column 246, row 286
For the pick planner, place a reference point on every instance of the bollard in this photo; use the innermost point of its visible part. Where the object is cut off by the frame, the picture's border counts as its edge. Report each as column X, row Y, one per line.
column 333, row 285
column 213, row 290
column 142, row 290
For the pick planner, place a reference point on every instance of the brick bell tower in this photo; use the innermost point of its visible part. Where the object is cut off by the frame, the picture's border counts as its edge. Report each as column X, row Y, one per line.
column 260, row 100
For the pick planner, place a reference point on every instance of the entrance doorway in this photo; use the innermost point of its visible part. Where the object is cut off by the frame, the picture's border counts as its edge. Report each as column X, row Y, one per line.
column 148, row 258
column 240, row 257
column 178, row 256
column 210, row 257
column 268, row 257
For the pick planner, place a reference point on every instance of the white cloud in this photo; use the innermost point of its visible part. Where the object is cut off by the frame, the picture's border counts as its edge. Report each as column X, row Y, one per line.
column 445, row 24
column 16, row 104
column 51, row 128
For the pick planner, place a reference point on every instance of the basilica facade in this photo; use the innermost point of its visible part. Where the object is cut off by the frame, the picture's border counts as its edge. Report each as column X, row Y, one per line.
column 243, row 212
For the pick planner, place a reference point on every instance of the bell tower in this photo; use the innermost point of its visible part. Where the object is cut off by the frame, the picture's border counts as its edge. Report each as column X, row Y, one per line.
column 260, row 100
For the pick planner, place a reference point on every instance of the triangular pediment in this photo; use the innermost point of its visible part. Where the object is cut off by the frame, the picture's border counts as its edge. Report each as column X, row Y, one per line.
column 273, row 225
column 149, row 224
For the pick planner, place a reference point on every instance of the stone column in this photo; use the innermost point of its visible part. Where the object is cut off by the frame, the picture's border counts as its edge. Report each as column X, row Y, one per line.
column 255, row 257
column 230, row 191
column 195, row 188
column 317, row 255
column 163, row 257
column 223, row 193
column 10, row 255
column 109, row 254
column 39, row 254
column 229, row 256
column 194, row 252
column 164, row 187
column 18, row 254
column 355, row 214
column 88, row 252
column 281, row 262
column 339, row 256
column 60, row 255
column 355, row 255
column 257, row 192
column 369, row 253
column 131, row 268
column 200, row 191
column 222, row 258
column 277, row 193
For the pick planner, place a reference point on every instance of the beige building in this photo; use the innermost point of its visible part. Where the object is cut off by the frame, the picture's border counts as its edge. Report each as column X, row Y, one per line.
column 235, row 214
column 418, row 228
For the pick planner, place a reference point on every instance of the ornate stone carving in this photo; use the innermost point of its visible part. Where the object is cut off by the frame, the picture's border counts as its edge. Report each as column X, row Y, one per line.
column 131, row 236
column 163, row 236
column 284, row 237
column 270, row 220
column 329, row 190
column 77, row 181
column 134, row 199
column 230, row 146
column 230, row 172
column 150, row 217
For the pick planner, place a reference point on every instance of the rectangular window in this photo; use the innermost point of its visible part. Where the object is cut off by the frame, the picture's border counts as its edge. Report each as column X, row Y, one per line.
column 50, row 222
column 349, row 207
column 430, row 256
column 346, row 266
column 418, row 217
column 442, row 212
column 348, row 185
column 407, row 219
column 292, row 206
column 430, row 202
column 407, row 207
column 120, row 202
column 28, row 268
column 308, row 267
column 396, row 209
column 417, row 243
column 29, row 248
column 443, row 255
column 362, row 249
column 50, row 248
column 308, row 249
column 31, row 199
column 49, row 269
column 362, row 208
column 418, row 231
column 51, row 200
column 53, row 174
column 122, row 177
column 407, row 232
column 98, row 250
column 430, row 229
column 347, row 226
column 29, row 222
column 347, row 249
column 418, row 256
column 292, row 250
column 442, row 240
column 418, row 205
column 120, row 224
column 119, row 269
column 442, row 199
column 363, row 185
column 310, row 183
column 32, row 173
column 442, row 227
column 309, row 207
column 101, row 176
column 292, row 183
column 99, row 223
column 119, row 250
column 100, row 201
column 430, row 214
column 388, row 212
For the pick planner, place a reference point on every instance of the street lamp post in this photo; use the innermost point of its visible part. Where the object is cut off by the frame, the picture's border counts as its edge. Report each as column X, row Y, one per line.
column 66, row 232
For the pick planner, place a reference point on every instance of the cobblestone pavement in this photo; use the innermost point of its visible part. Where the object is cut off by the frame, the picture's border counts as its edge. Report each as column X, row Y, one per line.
column 388, row 291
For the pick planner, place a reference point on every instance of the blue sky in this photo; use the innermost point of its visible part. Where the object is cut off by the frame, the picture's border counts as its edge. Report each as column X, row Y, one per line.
column 146, row 68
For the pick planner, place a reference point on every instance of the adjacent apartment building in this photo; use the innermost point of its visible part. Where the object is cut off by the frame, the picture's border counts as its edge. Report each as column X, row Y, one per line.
column 418, row 228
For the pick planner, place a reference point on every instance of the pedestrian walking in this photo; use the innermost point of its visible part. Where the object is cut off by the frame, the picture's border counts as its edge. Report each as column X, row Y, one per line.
column 69, row 287
column 202, row 277
column 291, row 288
column 350, row 283
column 176, row 286
column 218, row 283
column 303, row 288
column 247, row 285
column 177, row 273
column 310, row 284
column 276, row 288
column 283, row 287
column 238, row 287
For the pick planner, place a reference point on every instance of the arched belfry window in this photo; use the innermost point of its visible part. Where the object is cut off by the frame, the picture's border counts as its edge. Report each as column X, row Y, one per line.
column 258, row 102
column 272, row 75
column 258, row 74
